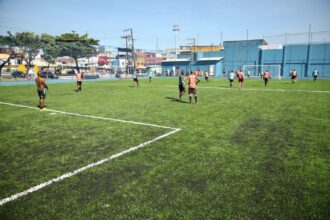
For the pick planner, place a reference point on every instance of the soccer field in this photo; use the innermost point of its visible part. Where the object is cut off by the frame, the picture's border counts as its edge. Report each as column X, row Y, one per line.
column 117, row 152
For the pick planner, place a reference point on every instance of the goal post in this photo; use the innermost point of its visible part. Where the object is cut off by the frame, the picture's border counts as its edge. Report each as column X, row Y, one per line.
column 257, row 70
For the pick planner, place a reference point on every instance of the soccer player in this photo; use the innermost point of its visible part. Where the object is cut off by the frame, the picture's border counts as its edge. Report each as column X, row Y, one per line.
column 315, row 74
column 231, row 77
column 135, row 80
column 149, row 76
column 79, row 76
column 293, row 75
column 182, row 88
column 266, row 76
column 248, row 74
column 41, row 89
column 193, row 80
column 240, row 76
column 206, row 76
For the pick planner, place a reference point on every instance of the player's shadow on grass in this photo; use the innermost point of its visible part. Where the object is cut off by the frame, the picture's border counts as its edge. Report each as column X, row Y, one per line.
column 175, row 100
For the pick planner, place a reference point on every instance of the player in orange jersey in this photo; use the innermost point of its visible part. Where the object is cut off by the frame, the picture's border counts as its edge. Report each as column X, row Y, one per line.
column 193, row 80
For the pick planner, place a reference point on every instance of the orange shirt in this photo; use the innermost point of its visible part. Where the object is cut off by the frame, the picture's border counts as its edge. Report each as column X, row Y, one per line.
column 193, row 79
column 266, row 75
column 240, row 75
column 79, row 77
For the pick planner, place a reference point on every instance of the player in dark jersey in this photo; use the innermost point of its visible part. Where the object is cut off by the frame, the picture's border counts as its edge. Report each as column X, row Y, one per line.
column 182, row 88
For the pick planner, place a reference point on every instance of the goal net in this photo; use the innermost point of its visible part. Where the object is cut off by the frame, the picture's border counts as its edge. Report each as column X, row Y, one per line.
column 257, row 70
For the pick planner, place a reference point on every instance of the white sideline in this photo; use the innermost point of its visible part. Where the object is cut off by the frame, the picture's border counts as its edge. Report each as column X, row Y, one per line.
column 75, row 172
column 89, row 116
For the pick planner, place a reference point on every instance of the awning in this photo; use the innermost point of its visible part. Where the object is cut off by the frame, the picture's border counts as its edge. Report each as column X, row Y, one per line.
column 210, row 59
column 176, row 60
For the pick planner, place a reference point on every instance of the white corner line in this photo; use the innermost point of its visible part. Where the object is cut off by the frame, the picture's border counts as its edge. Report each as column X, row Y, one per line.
column 75, row 172
column 90, row 116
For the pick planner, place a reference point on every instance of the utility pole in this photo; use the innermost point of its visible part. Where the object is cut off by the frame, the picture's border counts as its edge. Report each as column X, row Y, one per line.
column 126, row 38
column 193, row 43
column 197, row 39
column 131, row 37
column 221, row 38
column 176, row 29
column 308, row 50
column 193, row 50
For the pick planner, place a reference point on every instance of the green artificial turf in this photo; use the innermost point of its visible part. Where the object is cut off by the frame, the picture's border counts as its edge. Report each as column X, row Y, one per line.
column 255, row 153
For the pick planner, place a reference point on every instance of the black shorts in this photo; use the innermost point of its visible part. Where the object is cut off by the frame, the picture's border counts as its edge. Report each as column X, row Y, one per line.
column 266, row 79
column 135, row 80
column 42, row 93
column 182, row 89
column 206, row 77
column 231, row 80
column 293, row 77
column 79, row 83
column 240, row 80
column 192, row 91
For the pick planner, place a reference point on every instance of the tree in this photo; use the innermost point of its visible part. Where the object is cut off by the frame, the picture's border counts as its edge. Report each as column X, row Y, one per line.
column 8, row 46
column 50, row 50
column 30, row 44
column 76, row 46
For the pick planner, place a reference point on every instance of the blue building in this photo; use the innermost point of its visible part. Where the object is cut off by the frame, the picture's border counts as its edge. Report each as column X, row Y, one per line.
column 256, row 56
column 205, row 61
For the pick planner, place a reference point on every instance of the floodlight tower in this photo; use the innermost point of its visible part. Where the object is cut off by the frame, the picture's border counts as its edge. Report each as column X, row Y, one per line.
column 176, row 29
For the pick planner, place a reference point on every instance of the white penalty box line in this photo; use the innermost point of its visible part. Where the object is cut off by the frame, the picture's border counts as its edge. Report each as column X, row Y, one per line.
column 77, row 171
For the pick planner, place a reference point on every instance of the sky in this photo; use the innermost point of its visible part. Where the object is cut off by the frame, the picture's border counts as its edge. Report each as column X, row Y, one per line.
column 152, row 20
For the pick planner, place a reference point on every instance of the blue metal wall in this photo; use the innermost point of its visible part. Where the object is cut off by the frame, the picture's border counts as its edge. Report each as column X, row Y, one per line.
column 319, row 57
column 304, row 58
column 239, row 53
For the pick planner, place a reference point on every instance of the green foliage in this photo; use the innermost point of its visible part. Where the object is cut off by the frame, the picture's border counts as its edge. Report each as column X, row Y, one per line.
column 49, row 48
column 30, row 45
column 76, row 46
column 68, row 44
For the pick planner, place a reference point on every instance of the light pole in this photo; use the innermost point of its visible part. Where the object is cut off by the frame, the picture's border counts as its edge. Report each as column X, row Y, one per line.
column 176, row 29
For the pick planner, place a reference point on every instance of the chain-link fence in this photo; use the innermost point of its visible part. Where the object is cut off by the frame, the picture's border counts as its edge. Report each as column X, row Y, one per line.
column 299, row 38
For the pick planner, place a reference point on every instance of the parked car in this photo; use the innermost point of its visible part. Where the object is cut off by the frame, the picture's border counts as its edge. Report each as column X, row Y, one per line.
column 51, row 75
column 71, row 72
column 18, row 74
column 91, row 76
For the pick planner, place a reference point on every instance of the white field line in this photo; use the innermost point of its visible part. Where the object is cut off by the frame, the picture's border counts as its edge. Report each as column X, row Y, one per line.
column 75, row 172
column 234, row 89
column 89, row 116
column 275, row 90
